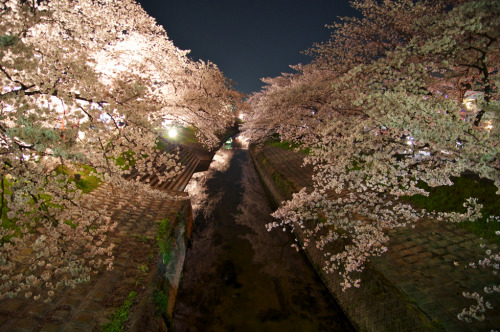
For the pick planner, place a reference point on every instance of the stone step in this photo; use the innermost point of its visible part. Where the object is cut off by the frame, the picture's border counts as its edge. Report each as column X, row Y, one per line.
column 155, row 181
column 181, row 180
column 186, row 158
column 162, row 168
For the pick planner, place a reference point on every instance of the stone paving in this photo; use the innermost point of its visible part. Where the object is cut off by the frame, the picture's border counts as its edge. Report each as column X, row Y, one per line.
column 425, row 265
column 90, row 305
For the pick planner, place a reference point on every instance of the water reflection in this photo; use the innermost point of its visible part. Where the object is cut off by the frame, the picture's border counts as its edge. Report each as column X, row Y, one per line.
column 201, row 201
column 238, row 141
column 238, row 276
column 254, row 212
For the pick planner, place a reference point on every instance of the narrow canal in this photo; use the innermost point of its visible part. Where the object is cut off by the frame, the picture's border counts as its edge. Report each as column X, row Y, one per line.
column 238, row 276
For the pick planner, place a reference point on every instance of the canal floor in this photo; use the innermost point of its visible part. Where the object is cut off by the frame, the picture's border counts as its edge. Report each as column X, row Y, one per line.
column 238, row 276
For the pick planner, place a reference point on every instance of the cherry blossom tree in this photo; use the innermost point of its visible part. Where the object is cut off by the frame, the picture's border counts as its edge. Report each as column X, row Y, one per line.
column 85, row 82
column 209, row 102
column 379, row 108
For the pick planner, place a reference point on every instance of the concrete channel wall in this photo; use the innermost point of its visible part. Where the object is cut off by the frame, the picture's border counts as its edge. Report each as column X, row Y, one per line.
column 166, row 279
column 155, row 308
column 376, row 305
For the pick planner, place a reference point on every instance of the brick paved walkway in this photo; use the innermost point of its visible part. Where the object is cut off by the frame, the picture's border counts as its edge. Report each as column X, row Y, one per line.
column 89, row 305
column 420, row 262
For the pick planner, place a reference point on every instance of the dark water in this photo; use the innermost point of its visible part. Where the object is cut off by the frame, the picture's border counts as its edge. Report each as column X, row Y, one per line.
column 239, row 277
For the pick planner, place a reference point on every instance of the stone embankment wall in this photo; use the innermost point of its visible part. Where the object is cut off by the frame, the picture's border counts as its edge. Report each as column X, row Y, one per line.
column 376, row 305
column 139, row 293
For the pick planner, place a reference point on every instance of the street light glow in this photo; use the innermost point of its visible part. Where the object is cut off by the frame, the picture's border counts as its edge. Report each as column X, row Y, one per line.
column 172, row 132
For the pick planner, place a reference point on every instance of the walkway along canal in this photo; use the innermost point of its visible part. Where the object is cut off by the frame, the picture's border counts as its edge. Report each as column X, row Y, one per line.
column 239, row 277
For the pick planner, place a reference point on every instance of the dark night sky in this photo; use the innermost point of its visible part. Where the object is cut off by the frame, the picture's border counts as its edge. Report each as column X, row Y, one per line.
column 247, row 39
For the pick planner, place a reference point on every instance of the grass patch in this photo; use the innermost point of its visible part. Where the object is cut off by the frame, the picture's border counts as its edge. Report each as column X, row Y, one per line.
column 126, row 160
column 7, row 223
column 165, row 240
column 121, row 316
column 286, row 186
column 143, row 268
column 188, row 135
column 161, row 144
column 161, row 303
column 356, row 166
column 140, row 238
column 11, row 223
column 276, row 141
column 285, row 145
column 452, row 198
column 82, row 176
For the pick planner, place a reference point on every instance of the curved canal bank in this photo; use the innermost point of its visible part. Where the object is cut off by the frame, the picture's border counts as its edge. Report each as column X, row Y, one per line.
column 416, row 285
column 377, row 305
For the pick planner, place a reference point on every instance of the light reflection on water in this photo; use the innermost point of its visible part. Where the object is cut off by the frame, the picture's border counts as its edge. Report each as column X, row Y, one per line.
column 238, row 141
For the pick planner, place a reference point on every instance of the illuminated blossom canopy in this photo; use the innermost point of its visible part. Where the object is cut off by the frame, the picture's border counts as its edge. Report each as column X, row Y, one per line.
column 86, row 82
column 381, row 107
